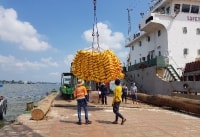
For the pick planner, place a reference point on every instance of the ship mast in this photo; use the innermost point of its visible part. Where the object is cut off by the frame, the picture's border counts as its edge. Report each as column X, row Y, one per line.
column 129, row 21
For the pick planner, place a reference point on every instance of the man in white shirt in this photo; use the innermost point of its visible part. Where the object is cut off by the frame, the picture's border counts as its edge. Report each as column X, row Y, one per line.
column 133, row 90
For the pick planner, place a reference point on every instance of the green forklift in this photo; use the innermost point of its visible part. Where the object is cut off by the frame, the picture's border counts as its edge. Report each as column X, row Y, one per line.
column 68, row 83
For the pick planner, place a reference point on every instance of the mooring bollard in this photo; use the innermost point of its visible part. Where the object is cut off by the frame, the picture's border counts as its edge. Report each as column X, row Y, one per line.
column 3, row 106
column 29, row 106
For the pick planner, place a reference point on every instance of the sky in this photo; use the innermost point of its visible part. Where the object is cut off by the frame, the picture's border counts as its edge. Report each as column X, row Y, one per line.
column 40, row 38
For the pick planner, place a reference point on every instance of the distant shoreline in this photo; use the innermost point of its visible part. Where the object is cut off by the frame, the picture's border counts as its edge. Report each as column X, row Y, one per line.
column 22, row 82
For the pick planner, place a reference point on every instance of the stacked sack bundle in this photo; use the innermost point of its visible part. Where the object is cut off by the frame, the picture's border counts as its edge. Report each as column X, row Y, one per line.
column 97, row 66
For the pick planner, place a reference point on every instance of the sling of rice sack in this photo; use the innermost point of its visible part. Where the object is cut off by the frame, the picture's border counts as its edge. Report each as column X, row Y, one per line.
column 97, row 66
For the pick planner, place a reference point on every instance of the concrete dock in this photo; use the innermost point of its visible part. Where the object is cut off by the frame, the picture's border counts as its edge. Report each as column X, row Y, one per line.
column 142, row 121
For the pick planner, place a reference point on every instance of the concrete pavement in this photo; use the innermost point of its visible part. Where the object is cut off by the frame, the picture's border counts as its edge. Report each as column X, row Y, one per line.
column 142, row 121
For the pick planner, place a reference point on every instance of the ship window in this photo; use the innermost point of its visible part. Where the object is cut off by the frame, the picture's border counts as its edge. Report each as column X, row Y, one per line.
column 198, row 52
column 152, row 54
column 159, row 53
column 195, row 9
column 197, row 77
column 185, row 8
column 149, row 19
column 143, row 58
column 148, row 38
column 159, row 33
column 177, row 8
column 184, row 30
column 132, row 47
column 185, row 51
column 140, row 43
column 198, row 31
column 148, row 57
column 190, row 78
column 168, row 10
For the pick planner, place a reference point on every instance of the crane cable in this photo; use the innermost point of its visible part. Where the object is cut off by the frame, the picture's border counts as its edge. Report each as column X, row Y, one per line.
column 95, row 25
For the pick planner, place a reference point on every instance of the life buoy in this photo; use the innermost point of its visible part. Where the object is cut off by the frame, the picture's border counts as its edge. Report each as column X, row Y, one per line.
column 185, row 85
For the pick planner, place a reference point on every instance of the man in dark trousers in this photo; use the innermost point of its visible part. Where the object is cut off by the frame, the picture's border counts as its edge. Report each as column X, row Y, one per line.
column 104, row 91
column 80, row 93
column 117, row 98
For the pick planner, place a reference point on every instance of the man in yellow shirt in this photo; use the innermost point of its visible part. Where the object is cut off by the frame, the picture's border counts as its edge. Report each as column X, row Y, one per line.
column 117, row 98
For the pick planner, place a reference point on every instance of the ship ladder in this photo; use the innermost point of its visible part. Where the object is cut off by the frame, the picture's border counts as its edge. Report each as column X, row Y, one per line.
column 173, row 73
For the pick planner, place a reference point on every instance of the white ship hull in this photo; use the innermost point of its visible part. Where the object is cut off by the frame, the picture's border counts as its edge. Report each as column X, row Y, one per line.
column 149, row 82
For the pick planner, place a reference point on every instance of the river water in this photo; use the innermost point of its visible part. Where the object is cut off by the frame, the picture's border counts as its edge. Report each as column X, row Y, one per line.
column 18, row 95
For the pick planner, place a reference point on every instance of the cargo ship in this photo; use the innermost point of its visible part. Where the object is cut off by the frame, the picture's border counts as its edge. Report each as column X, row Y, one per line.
column 164, row 56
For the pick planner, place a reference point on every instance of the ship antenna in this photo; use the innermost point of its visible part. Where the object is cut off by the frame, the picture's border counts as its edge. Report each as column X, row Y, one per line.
column 129, row 21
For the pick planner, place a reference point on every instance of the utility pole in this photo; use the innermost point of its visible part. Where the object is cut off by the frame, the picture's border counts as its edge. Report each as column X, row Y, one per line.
column 129, row 21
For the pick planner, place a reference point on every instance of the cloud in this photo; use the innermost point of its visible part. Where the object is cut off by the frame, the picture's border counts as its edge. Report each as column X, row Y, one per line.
column 68, row 60
column 22, row 33
column 107, row 38
column 55, row 74
column 123, row 54
column 49, row 62
column 8, row 63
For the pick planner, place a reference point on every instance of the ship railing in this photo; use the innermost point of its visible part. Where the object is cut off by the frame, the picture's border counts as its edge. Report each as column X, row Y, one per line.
column 154, row 4
column 159, row 61
column 133, row 37
column 192, row 66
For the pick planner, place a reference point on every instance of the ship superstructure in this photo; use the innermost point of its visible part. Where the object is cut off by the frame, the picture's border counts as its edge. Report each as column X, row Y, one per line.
column 166, row 47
